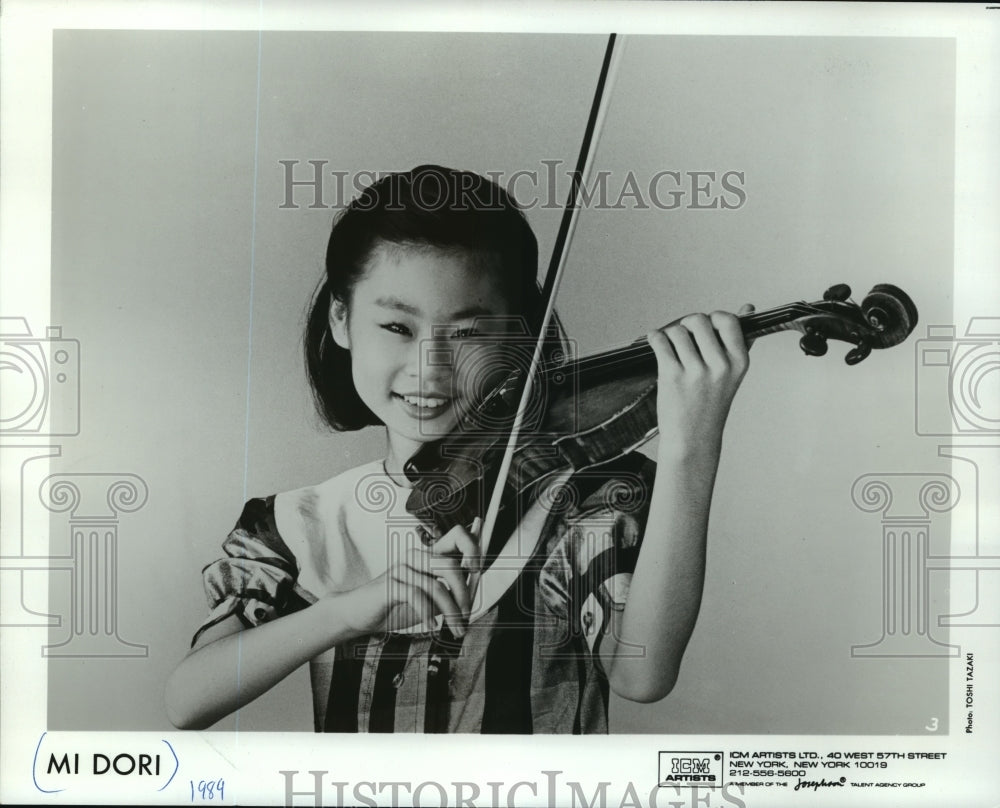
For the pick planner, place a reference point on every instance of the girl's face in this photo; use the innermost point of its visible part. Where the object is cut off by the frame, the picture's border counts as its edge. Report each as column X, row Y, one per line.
column 409, row 319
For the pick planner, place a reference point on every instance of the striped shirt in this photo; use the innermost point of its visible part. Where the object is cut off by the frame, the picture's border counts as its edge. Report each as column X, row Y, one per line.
column 529, row 664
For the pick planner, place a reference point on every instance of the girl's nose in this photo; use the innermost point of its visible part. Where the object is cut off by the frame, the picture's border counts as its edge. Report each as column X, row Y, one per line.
column 434, row 358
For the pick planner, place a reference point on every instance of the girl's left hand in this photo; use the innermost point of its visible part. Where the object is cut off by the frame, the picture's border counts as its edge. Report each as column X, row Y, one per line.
column 701, row 360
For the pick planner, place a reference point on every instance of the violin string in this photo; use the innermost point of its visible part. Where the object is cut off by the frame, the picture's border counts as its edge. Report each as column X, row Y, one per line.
column 760, row 322
column 636, row 352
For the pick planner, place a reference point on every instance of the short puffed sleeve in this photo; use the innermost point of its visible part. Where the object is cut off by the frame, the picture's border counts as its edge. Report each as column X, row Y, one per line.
column 256, row 579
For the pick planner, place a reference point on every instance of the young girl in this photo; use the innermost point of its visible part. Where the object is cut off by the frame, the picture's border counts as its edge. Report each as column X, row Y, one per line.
column 335, row 574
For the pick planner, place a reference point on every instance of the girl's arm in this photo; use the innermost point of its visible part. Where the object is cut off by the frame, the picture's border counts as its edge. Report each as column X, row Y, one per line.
column 702, row 360
column 230, row 666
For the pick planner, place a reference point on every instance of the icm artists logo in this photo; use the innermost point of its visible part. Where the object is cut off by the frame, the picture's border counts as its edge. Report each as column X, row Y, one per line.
column 691, row 769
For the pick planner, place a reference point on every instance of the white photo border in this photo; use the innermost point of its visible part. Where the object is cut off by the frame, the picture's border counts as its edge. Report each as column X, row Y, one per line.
column 251, row 762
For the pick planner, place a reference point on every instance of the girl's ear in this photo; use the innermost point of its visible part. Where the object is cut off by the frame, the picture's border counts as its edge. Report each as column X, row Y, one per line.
column 338, row 323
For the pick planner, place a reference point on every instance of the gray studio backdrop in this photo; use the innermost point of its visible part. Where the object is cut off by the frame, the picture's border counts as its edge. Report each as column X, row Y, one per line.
column 182, row 269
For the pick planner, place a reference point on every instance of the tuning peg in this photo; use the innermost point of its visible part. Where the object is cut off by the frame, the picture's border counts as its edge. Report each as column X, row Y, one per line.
column 857, row 353
column 813, row 344
column 838, row 292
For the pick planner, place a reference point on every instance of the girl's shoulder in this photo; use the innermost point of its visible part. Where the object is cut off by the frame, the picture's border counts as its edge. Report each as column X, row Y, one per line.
column 313, row 510
column 321, row 526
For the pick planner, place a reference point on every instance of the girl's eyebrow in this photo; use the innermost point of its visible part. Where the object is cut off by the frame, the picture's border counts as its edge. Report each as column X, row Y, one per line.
column 398, row 305
column 471, row 311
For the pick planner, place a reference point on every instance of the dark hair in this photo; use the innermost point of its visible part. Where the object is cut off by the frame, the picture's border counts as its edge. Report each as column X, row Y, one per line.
column 428, row 206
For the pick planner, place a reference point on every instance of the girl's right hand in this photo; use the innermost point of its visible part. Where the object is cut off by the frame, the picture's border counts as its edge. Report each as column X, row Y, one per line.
column 428, row 581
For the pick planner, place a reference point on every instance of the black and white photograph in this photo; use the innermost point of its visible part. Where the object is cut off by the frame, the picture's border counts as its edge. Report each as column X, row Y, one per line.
column 618, row 370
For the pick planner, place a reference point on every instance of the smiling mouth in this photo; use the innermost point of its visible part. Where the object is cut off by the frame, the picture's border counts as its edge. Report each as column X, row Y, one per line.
column 428, row 405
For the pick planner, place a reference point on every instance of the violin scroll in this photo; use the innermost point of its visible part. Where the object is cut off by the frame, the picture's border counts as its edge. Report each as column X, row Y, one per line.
column 891, row 313
column 885, row 318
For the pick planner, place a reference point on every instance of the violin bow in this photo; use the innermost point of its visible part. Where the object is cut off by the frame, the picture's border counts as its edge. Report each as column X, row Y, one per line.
column 553, row 277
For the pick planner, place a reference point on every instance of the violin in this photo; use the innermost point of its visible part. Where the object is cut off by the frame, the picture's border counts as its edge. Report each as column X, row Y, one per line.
column 560, row 416
column 586, row 413
column 590, row 411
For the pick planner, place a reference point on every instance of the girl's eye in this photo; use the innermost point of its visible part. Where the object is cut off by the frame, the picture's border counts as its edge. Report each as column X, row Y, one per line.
column 464, row 333
column 398, row 328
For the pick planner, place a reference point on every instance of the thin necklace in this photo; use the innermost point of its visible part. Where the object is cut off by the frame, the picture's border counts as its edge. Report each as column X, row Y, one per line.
column 392, row 479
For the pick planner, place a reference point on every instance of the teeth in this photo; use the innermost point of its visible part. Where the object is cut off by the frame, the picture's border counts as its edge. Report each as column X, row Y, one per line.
column 428, row 402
